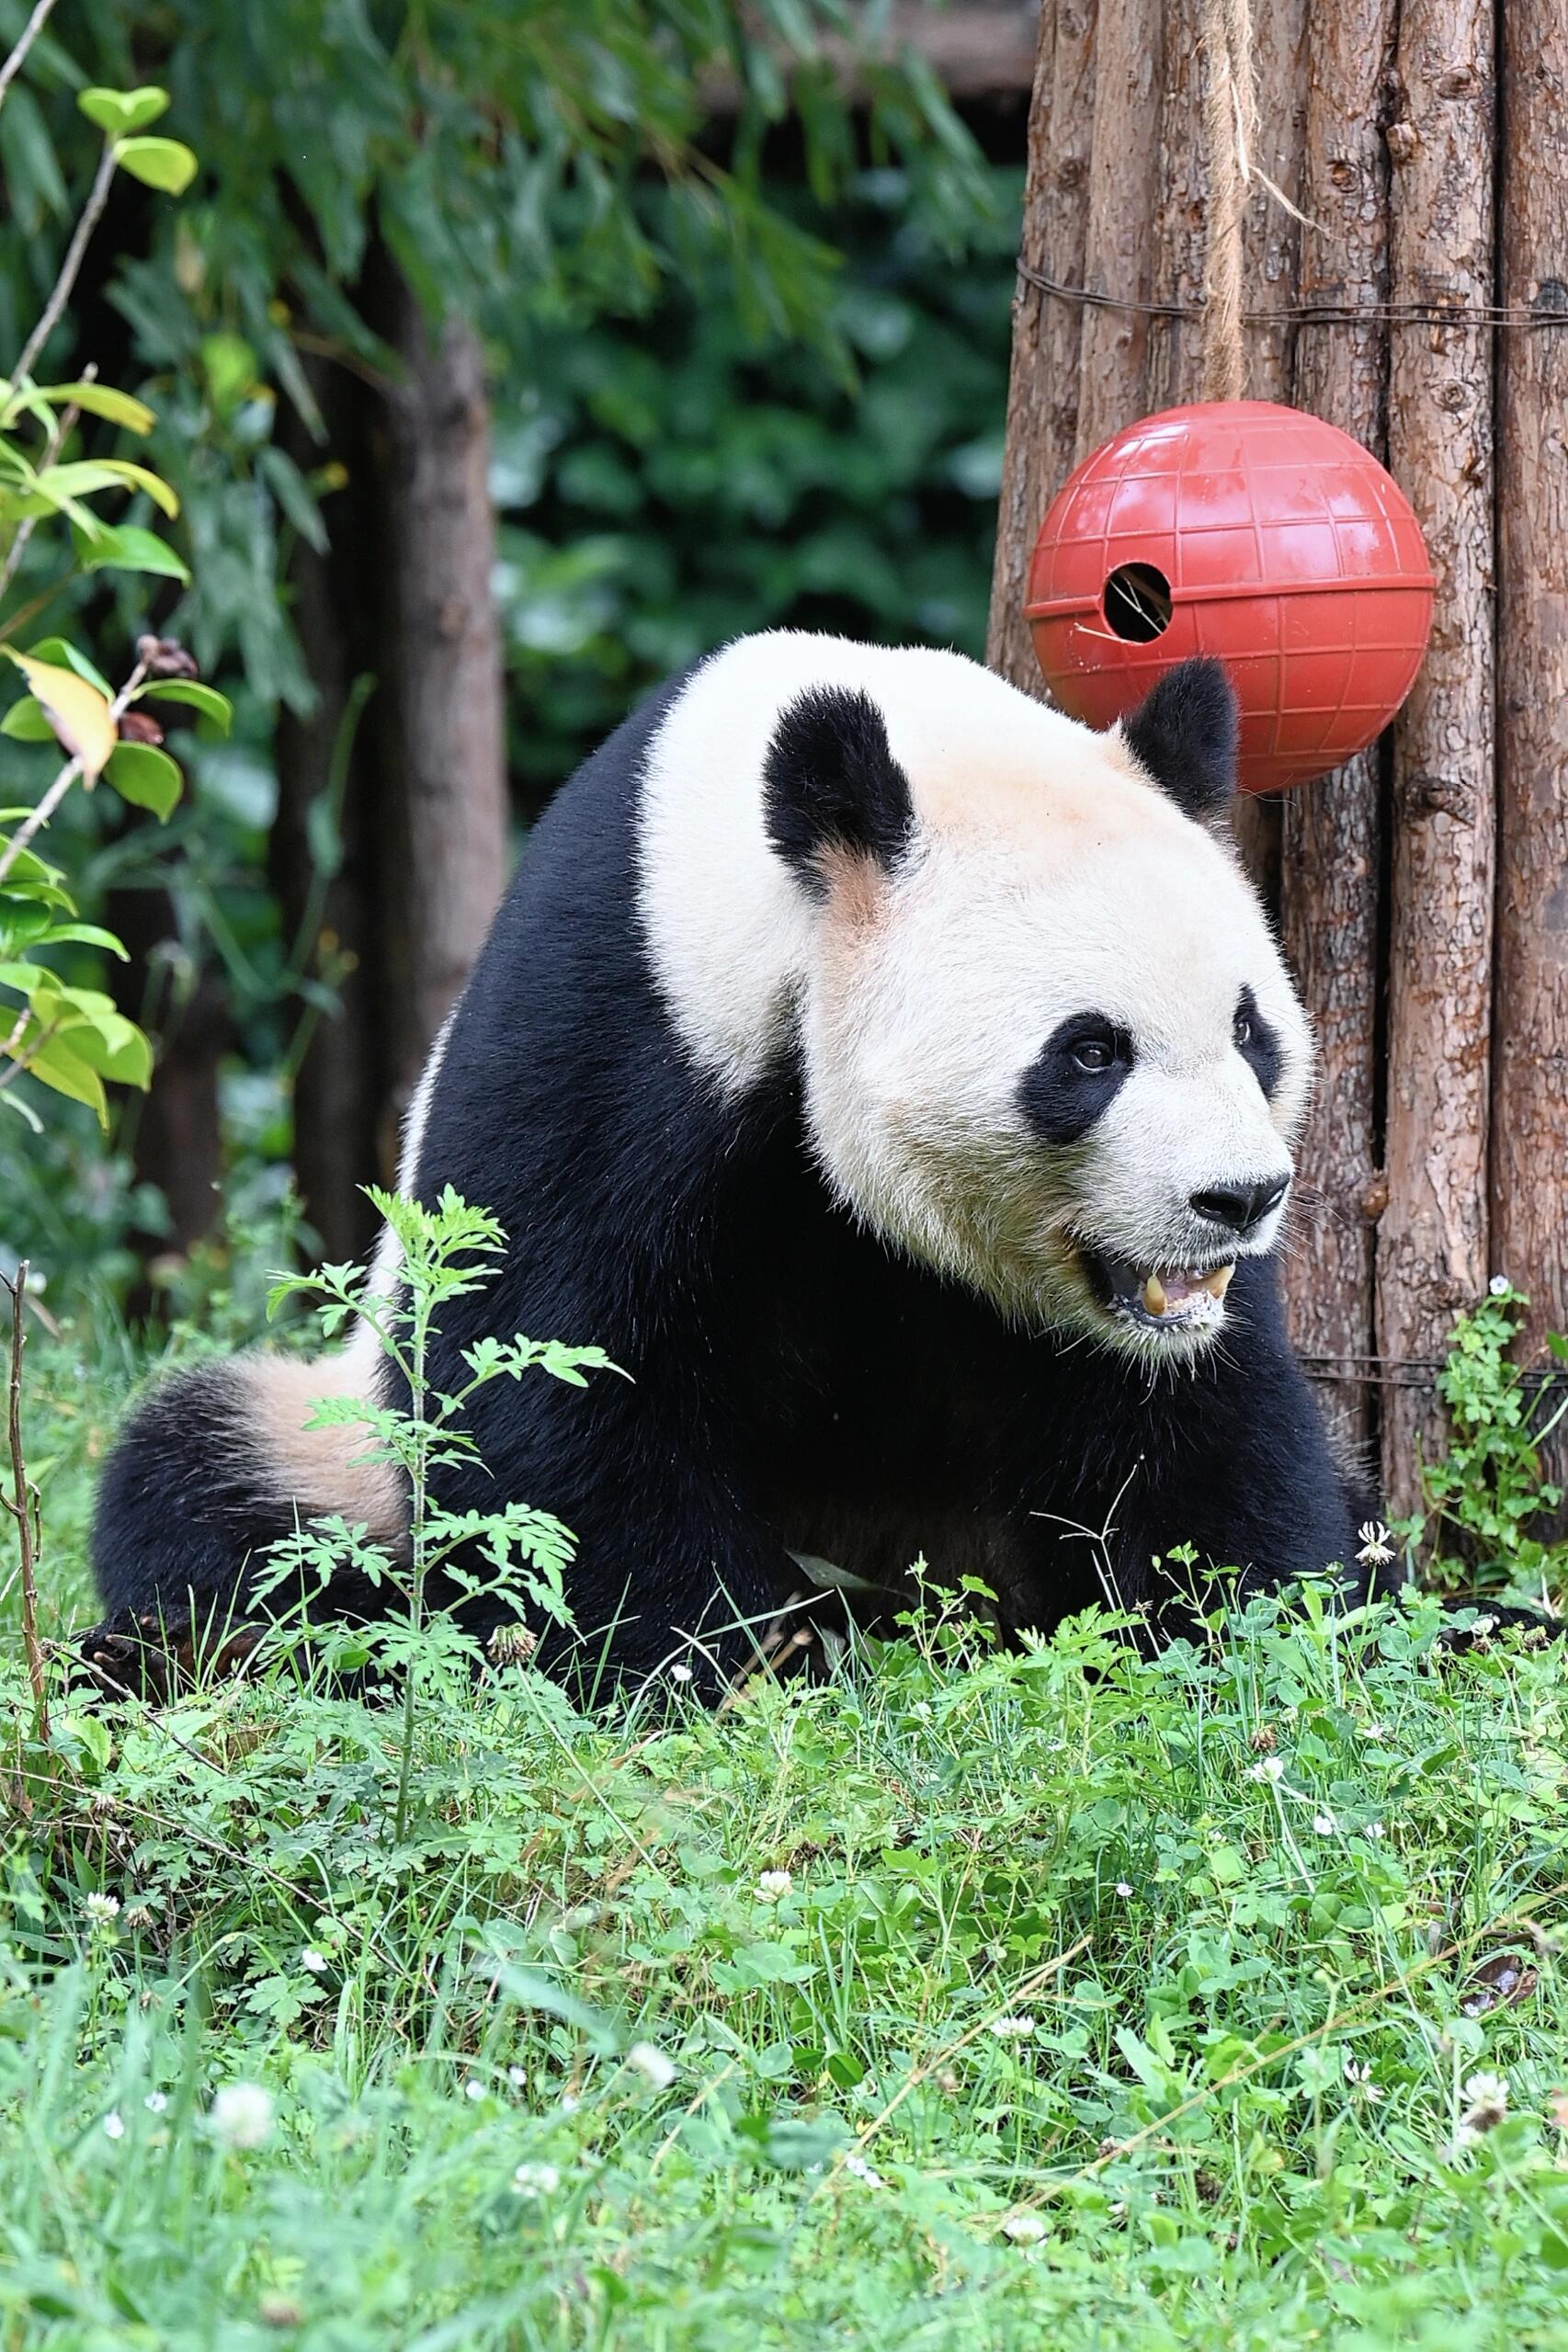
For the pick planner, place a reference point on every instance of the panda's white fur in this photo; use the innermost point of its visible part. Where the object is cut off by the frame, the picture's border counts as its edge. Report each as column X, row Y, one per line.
column 1048, row 876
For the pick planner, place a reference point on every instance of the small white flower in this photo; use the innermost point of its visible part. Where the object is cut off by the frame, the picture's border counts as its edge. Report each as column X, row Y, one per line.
column 241, row 2115
column 535, row 2180
column 1376, row 1829
column 774, row 1885
column 1376, row 1550
column 570, row 2102
column 856, row 2165
column 1268, row 1767
column 517, row 2076
column 474, row 2088
column 1123, row 1890
column 1024, row 2229
column 101, row 1908
column 1483, row 1625
column 921, row 1711
column 1498, row 1284
column 1361, row 2081
column 1324, row 1824
column 1015, row 2028
column 1487, row 2090
column 156, row 2102
column 680, row 1674
column 314, row 1961
column 650, row 2061
column 114, row 2126
column 1374, row 1731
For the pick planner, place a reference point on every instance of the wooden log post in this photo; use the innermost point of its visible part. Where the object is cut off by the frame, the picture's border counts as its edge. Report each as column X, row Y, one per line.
column 1529, row 1153
column 1332, row 854
column 1432, row 1242
column 1042, row 392
column 1118, row 253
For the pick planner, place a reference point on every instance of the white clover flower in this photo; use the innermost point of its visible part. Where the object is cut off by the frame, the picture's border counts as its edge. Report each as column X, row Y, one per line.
column 774, row 1885
column 1359, row 2078
column 680, row 1674
column 535, row 2180
column 1024, row 2229
column 1498, row 1285
column 1483, row 1625
column 316, row 1962
column 1376, row 1550
column 1376, row 1829
column 114, row 2126
column 474, row 2088
column 517, row 2076
column 1488, row 2091
column 1374, row 1731
column 649, row 2061
column 101, row 1908
column 855, row 2163
column 1013, row 2029
column 570, row 2102
column 241, row 2115
column 1324, row 1824
column 1268, row 1767
column 156, row 2102
column 1123, row 1890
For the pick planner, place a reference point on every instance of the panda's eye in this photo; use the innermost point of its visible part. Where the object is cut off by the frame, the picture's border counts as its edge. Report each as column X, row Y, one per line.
column 1093, row 1053
column 1242, row 1029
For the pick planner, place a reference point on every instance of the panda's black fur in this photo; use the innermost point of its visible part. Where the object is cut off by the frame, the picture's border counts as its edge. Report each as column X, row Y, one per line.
column 798, row 1387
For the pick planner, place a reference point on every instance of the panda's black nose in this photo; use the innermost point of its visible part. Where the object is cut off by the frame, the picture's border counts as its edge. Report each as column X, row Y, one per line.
column 1240, row 1207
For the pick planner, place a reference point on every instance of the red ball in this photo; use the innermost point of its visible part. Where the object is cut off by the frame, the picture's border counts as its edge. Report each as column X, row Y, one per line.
column 1248, row 530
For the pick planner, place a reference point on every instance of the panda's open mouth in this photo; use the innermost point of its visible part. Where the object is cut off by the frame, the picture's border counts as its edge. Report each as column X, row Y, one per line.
column 1159, row 1299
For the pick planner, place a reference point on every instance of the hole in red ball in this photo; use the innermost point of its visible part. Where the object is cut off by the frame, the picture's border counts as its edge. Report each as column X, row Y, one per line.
column 1138, row 603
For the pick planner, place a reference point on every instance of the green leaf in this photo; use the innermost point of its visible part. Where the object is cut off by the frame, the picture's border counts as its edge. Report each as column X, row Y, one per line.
column 25, row 723
column 125, row 547
column 55, row 1065
column 101, row 400
column 205, row 699
column 63, row 654
column 146, row 776
column 83, row 935
column 166, row 164
column 57, row 482
column 78, row 711
column 120, row 113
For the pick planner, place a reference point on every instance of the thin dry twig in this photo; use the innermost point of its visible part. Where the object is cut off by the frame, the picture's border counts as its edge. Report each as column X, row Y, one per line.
column 25, row 40
column 22, row 1504
column 49, row 317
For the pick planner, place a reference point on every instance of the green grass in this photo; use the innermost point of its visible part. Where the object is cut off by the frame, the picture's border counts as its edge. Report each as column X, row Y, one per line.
column 1239, row 1897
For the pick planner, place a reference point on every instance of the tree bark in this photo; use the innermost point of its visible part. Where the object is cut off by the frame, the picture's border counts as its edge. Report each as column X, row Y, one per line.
column 1042, row 392
column 330, row 920
column 440, row 708
column 1529, row 1160
column 1432, row 1242
column 1332, row 855
column 1123, row 190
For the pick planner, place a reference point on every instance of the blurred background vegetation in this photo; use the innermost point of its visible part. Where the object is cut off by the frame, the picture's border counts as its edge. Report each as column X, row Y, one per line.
column 517, row 351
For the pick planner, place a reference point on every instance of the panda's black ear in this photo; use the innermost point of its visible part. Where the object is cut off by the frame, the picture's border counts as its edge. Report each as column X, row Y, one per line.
column 1185, row 735
column 833, row 783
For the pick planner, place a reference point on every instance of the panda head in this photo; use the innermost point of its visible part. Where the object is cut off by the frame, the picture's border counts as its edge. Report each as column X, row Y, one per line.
column 1048, row 1046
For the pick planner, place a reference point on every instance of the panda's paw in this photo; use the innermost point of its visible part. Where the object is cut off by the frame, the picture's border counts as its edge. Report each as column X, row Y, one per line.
column 806, row 1638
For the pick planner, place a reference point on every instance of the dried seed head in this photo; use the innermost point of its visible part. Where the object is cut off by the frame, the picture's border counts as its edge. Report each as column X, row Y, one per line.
column 512, row 1645
column 166, row 657
column 1264, row 1740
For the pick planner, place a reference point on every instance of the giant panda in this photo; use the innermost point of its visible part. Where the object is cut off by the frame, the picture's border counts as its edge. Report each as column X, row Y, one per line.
column 898, row 1080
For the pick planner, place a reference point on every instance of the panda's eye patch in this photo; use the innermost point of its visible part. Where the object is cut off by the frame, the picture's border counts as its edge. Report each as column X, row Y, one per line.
column 1256, row 1041
column 1076, row 1077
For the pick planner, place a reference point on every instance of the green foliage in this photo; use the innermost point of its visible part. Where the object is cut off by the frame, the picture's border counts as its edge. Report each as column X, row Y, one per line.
column 1489, row 1496
column 54, row 1031
column 667, row 483
column 969, row 2001
column 515, row 1554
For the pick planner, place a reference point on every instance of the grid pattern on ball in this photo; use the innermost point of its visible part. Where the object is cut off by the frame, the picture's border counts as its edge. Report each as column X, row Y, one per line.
column 1288, row 552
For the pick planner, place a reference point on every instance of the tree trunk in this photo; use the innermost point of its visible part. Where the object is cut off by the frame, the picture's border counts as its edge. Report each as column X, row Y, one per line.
column 1043, row 392
column 439, row 717
column 1333, row 845
column 1432, row 1242
column 175, row 1134
column 1529, row 1162
column 329, row 916
column 1124, row 188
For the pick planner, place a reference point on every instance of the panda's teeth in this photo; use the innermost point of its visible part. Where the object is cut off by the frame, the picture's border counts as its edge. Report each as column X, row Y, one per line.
column 1219, row 1282
column 1155, row 1296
